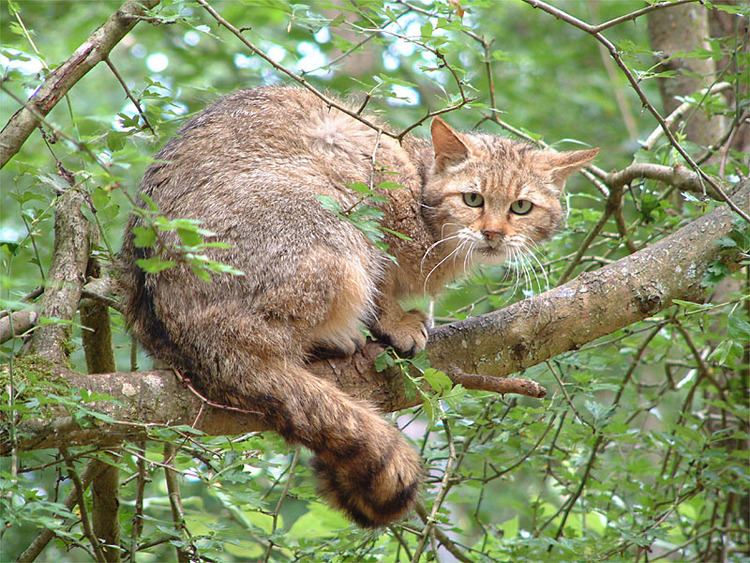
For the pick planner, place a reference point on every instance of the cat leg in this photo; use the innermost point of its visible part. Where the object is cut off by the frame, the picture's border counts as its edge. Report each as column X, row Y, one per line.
column 405, row 331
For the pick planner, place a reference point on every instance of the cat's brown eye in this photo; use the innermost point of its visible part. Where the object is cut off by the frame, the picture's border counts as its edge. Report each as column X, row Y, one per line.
column 521, row 206
column 473, row 199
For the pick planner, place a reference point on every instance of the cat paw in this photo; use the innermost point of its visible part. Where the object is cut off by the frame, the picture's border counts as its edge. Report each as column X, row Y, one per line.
column 340, row 349
column 407, row 336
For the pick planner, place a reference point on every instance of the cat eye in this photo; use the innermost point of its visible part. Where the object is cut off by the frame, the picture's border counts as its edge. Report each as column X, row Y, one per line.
column 473, row 199
column 521, row 206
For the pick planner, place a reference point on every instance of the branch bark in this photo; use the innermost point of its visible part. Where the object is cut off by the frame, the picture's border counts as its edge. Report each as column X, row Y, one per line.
column 65, row 278
column 97, row 346
column 16, row 323
column 94, row 50
column 496, row 344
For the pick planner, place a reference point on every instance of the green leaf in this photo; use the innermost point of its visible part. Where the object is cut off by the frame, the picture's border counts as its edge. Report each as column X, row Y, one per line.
column 189, row 237
column 154, row 265
column 144, row 237
column 438, row 380
column 116, row 140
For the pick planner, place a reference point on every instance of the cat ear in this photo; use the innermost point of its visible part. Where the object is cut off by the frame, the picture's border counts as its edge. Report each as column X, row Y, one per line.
column 449, row 148
column 560, row 165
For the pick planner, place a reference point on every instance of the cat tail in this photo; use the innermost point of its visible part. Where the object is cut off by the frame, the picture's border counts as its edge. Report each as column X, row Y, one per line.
column 364, row 465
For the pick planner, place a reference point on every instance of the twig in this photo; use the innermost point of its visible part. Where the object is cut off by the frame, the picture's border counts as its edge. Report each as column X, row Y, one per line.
column 622, row 102
column 81, row 501
column 187, row 383
column 500, row 385
column 139, row 495
column 679, row 111
column 583, row 247
column 280, row 502
column 444, row 488
column 44, row 537
column 400, row 539
column 637, row 13
column 64, row 77
column 175, row 500
column 356, row 46
column 129, row 94
column 297, row 78
column 40, row 118
column 568, row 399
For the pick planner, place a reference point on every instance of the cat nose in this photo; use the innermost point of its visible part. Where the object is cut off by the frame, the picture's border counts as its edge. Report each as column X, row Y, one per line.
column 492, row 235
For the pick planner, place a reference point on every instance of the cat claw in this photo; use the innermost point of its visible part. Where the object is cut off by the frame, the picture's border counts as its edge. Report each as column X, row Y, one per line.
column 407, row 337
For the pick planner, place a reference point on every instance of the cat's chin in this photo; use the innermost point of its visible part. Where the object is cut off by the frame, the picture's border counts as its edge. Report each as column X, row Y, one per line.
column 489, row 255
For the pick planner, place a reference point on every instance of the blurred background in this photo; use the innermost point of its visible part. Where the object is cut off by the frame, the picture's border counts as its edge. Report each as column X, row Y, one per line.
column 662, row 472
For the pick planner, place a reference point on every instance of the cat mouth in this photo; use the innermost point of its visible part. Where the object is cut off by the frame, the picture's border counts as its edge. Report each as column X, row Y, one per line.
column 490, row 251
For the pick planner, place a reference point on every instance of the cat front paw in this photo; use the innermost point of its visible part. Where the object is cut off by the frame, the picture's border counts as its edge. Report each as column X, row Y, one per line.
column 342, row 348
column 407, row 335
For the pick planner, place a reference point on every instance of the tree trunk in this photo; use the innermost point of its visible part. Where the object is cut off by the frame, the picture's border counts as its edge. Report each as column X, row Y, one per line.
column 679, row 30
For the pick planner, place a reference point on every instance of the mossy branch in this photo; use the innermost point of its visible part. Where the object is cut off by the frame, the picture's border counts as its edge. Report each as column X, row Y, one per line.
column 493, row 345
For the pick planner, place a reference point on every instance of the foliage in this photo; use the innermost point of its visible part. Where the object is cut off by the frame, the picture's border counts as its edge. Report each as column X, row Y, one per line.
column 640, row 448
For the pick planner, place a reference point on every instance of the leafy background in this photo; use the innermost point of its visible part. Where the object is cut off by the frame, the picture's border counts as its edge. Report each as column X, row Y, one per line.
column 647, row 427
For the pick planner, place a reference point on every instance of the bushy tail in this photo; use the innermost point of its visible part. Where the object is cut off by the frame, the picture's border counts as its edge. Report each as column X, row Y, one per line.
column 364, row 465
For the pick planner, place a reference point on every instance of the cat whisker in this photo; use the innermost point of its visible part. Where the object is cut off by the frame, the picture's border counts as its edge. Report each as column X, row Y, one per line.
column 467, row 256
column 529, row 248
column 530, row 252
column 453, row 252
column 434, row 245
column 514, row 263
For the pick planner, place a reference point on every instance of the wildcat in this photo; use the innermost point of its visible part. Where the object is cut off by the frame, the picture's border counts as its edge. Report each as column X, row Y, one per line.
column 251, row 167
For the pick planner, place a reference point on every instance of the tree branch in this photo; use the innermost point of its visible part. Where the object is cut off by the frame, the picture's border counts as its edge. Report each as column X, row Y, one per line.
column 95, row 49
column 496, row 344
column 65, row 278
column 634, row 83
column 16, row 324
column 97, row 346
column 678, row 176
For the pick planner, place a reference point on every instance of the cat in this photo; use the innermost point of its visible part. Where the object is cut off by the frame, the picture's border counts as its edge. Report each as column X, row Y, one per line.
column 252, row 167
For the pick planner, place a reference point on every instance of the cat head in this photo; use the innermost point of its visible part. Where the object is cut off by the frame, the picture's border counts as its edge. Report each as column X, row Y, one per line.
column 494, row 197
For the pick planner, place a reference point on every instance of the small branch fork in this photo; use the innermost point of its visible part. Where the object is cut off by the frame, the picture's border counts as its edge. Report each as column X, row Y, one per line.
column 95, row 49
column 129, row 94
column 595, row 32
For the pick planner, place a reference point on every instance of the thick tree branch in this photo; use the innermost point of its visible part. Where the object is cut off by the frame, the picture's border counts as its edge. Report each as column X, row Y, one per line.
column 97, row 346
column 495, row 344
column 94, row 50
column 65, row 278
column 16, row 324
